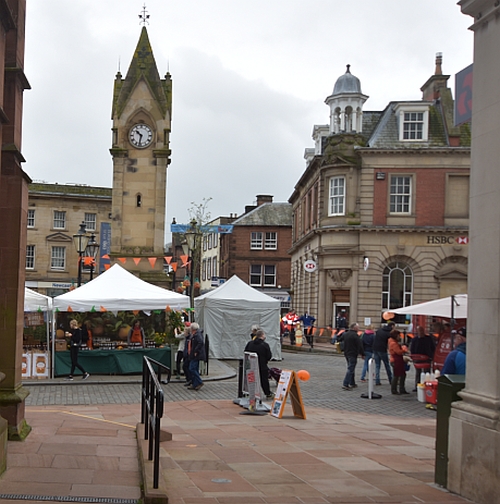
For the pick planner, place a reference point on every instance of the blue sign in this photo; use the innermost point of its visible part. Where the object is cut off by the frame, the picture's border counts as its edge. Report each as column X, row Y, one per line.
column 105, row 245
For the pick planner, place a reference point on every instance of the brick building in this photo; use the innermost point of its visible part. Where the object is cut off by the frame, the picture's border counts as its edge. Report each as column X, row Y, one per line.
column 257, row 249
column 381, row 211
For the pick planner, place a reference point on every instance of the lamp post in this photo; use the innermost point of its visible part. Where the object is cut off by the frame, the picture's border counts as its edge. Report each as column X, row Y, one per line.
column 92, row 250
column 80, row 239
column 191, row 236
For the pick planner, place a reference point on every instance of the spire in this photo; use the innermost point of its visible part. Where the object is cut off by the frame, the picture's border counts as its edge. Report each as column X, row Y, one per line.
column 142, row 66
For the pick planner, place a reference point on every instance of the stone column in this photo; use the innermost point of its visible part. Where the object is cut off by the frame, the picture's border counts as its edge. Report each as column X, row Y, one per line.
column 13, row 209
column 474, row 453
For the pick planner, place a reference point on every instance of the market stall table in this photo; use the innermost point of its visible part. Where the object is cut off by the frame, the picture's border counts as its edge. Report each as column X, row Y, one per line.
column 111, row 362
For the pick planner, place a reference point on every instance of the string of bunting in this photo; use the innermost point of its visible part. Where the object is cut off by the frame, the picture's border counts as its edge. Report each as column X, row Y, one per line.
column 89, row 261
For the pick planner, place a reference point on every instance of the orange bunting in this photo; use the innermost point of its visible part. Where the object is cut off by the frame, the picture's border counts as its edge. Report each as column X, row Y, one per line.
column 123, row 260
column 103, row 309
column 174, row 266
column 135, row 312
column 321, row 331
column 168, row 259
column 137, row 260
column 152, row 261
column 168, row 308
column 107, row 266
column 184, row 259
column 69, row 309
column 105, row 256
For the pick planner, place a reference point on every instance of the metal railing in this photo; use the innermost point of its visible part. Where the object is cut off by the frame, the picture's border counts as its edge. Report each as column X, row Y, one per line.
column 152, row 404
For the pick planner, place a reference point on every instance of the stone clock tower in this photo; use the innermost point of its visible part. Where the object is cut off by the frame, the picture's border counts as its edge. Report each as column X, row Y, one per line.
column 142, row 111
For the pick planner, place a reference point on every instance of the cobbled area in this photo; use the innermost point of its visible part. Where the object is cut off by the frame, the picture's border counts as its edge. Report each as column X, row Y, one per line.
column 322, row 390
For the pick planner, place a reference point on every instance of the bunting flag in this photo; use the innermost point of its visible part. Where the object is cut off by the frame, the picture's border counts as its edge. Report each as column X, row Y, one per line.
column 69, row 309
column 168, row 309
column 137, row 260
column 93, row 310
column 107, row 266
column 105, row 256
column 135, row 312
column 152, row 261
column 184, row 259
column 168, row 259
column 321, row 331
column 103, row 309
column 174, row 266
column 123, row 260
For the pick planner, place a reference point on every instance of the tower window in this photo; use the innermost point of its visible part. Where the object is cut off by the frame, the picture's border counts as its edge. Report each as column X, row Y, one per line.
column 138, row 201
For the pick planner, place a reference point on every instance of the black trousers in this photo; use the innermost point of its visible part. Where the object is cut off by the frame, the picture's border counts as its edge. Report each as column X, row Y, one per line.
column 73, row 352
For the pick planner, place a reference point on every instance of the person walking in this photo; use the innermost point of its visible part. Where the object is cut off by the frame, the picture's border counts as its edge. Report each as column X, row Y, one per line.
column 352, row 348
column 308, row 323
column 75, row 334
column 367, row 340
column 259, row 346
column 179, row 357
column 380, row 344
column 196, row 353
column 455, row 362
column 396, row 350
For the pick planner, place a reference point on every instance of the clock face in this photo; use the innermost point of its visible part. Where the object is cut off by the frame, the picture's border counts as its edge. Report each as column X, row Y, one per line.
column 141, row 135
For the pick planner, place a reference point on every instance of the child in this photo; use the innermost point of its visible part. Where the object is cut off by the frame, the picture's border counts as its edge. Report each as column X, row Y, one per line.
column 396, row 352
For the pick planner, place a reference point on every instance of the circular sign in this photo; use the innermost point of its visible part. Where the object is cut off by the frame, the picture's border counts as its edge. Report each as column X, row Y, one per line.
column 366, row 263
column 310, row 266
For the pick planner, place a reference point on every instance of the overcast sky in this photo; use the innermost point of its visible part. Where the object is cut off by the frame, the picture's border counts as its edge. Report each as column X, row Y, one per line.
column 250, row 79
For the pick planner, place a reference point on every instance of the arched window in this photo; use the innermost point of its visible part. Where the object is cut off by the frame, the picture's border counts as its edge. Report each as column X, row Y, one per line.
column 138, row 201
column 397, row 286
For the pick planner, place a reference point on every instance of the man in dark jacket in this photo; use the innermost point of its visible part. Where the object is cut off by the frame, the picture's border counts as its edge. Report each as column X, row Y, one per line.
column 352, row 348
column 380, row 351
column 259, row 346
column 455, row 362
column 196, row 353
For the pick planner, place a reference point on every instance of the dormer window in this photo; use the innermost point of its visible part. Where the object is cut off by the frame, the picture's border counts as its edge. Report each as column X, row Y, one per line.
column 413, row 121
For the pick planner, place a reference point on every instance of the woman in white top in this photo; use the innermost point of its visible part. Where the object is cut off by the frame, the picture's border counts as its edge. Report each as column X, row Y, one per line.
column 180, row 351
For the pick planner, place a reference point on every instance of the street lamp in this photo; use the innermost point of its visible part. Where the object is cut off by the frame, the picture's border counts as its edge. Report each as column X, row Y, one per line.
column 92, row 250
column 191, row 236
column 80, row 240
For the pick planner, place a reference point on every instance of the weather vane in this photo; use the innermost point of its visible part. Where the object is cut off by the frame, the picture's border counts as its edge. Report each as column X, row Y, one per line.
column 144, row 16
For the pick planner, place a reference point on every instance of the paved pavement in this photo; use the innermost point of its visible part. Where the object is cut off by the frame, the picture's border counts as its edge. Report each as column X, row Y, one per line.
column 348, row 450
column 322, row 390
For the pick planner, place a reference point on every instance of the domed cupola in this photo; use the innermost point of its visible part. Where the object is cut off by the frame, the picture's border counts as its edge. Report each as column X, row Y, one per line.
column 346, row 104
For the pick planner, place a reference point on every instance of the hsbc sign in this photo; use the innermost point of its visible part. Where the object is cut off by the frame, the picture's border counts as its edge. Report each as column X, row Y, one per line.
column 310, row 266
column 447, row 240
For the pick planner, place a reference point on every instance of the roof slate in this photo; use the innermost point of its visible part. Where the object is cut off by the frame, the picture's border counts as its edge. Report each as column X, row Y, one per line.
column 267, row 214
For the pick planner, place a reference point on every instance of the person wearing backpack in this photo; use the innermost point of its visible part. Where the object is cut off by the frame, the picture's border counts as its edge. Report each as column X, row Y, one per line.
column 76, row 336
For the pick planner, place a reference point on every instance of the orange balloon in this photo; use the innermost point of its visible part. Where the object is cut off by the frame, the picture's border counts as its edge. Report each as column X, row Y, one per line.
column 388, row 315
column 303, row 375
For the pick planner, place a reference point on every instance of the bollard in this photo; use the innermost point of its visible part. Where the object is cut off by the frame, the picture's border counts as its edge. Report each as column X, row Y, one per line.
column 240, row 378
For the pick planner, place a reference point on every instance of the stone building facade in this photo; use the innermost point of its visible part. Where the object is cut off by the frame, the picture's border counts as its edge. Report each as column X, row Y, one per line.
column 380, row 215
column 13, row 210
column 55, row 212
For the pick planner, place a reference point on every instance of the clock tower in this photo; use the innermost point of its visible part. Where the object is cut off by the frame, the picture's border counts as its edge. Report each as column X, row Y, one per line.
column 141, row 114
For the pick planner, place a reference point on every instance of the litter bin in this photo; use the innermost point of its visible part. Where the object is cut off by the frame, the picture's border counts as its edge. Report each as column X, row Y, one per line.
column 448, row 388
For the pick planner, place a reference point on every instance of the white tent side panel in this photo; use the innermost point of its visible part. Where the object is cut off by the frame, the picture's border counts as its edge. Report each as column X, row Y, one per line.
column 228, row 322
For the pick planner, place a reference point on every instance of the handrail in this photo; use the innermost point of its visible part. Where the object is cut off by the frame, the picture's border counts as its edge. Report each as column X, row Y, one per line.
column 152, row 404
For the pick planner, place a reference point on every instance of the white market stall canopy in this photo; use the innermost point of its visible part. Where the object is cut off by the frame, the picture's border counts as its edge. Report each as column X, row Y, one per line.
column 34, row 301
column 438, row 307
column 118, row 290
column 226, row 315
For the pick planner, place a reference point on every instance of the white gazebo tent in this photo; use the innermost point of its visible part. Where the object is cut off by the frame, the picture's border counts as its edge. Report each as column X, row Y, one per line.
column 448, row 307
column 119, row 290
column 226, row 315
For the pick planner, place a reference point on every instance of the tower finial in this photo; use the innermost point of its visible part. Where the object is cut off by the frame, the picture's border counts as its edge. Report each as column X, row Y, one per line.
column 348, row 68
column 144, row 16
